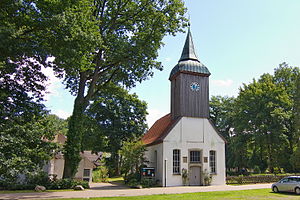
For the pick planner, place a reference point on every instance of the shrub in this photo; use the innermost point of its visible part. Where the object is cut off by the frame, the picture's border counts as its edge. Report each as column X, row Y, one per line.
column 133, row 183
column 256, row 170
column 38, row 178
column 134, row 176
column 100, row 174
column 146, row 183
column 68, row 184
column 253, row 179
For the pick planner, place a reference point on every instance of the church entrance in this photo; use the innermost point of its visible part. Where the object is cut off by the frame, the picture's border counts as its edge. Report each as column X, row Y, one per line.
column 195, row 175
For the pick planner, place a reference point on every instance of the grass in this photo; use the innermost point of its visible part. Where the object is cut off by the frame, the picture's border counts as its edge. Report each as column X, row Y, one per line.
column 116, row 180
column 258, row 194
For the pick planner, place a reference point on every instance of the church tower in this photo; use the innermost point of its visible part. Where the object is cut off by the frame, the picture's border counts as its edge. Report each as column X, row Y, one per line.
column 189, row 84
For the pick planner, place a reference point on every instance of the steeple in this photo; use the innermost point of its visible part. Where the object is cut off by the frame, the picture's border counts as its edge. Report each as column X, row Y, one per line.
column 189, row 61
column 189, row 84
column 188, row 52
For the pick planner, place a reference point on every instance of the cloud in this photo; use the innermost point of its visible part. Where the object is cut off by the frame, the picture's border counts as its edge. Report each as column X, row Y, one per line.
column 168, row 59
column 53, row 84
column 154, row 115
column 222, row 83
column 62, row 114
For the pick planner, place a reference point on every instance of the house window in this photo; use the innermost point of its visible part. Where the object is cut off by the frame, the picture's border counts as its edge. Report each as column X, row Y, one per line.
column 195, row 157
column 86, row 172
column 212, row 161
column 176, row 161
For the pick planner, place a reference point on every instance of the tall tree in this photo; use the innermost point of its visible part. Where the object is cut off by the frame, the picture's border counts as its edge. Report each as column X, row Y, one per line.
column 113, row 117
column 93, row 42
column 119, row 46
column 221, row 111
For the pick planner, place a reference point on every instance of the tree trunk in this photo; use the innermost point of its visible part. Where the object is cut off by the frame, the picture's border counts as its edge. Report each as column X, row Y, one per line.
column 74, row 139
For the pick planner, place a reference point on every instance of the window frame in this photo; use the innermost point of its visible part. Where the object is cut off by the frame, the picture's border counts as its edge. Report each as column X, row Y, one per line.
column 195, row 159
column 213, row 161
column 176, row 161
column 86, row 170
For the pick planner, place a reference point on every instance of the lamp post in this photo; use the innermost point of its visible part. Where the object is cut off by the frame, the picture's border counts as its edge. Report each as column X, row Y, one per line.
column 166, row 172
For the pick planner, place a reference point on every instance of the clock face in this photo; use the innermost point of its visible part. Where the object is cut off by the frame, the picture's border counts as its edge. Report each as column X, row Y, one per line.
column 195, row 86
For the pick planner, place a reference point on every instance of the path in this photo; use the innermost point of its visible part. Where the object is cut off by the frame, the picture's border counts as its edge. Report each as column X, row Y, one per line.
column 110, row 190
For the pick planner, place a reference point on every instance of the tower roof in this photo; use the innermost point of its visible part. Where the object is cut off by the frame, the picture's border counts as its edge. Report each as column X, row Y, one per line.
column 189, row 61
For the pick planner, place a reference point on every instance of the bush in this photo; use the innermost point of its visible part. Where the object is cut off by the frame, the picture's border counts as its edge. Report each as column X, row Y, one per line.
column 133, row 176
column 146, row 183
column 68, row 184
column 256, row 170
column 40, row 179
column 253, row 179
column 100, row 174
column 133, row 183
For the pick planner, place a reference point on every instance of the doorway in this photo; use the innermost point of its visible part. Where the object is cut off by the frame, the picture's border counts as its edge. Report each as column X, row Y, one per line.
column 195, row 175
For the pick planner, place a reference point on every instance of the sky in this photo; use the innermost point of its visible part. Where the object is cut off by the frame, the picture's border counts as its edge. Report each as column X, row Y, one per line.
column 237, row 40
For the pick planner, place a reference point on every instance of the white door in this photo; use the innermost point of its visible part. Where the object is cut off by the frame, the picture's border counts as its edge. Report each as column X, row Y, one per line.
column 195, row 176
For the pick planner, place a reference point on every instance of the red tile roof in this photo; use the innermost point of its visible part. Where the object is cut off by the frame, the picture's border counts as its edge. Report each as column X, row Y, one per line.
column 159, row 130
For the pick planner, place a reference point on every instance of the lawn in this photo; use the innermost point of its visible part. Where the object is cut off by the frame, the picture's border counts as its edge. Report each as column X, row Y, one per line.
column 259, row 194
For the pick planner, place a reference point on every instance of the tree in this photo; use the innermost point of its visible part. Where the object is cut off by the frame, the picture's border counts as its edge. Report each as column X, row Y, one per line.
column 260, row 114
column 113, row 117
column 221, row 111
column 132, row 153
column 119, row 46
column 25, row 146
column 99, row 42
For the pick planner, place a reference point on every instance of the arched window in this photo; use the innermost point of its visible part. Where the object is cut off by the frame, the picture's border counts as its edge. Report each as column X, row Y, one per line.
column 176, row 161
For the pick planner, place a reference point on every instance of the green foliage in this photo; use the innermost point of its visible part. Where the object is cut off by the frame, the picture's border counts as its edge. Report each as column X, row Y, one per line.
column 261, row 123
column 264, row 110
column 256, row 170
column 146, row 183
column 41, row 178
column 253, row 179
column 295, row 159
column 100, row 174
column 221, row 113
column 114, row 117
column 104, row 42
column 132, row 153
column 23, row 148
column 67, row 184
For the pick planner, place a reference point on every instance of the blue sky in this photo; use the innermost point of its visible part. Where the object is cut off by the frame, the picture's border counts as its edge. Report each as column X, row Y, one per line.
column 237, row 40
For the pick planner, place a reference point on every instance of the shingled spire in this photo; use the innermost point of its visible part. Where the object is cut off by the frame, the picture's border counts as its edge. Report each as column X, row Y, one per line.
column 188, row 52
column 189, row 61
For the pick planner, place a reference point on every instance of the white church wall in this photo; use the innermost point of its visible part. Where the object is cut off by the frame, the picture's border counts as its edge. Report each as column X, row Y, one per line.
column 194, row 134
column 157, row 163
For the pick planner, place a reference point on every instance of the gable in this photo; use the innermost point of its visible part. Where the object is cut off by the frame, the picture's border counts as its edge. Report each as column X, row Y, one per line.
column 194, row 130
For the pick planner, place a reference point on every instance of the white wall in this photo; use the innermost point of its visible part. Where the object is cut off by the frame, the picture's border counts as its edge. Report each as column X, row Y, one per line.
column 190, row 133
column 151, row 161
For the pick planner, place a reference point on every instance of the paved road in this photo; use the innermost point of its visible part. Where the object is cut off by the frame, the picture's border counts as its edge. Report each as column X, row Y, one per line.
column 109, row 190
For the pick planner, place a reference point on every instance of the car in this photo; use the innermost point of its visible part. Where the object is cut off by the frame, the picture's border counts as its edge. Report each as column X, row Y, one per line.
column 287, row 184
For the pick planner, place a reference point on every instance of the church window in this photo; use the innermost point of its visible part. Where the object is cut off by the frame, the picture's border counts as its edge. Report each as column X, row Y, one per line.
column 212, row 161
column 176, row 161
column 195, row 156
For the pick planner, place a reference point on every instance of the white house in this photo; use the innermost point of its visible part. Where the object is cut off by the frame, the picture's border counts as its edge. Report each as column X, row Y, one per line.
column 186, row 139
column 89, row 161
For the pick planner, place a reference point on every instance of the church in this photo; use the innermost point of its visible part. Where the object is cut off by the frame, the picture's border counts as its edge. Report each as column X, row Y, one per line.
column 184, row 147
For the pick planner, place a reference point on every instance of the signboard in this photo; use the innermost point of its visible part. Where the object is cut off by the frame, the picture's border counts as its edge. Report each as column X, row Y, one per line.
column 148, row 172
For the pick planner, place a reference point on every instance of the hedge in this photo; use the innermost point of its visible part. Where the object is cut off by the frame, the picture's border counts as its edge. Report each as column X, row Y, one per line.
column 253, row 179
